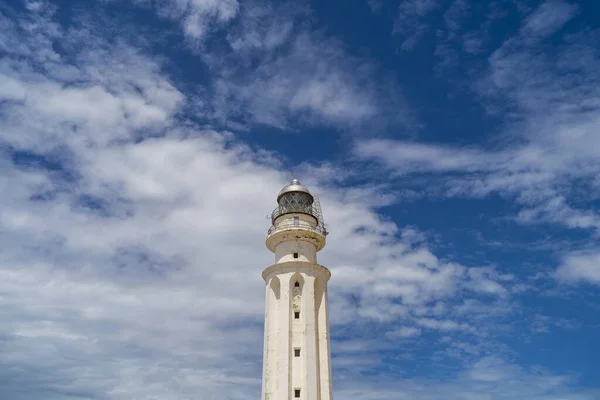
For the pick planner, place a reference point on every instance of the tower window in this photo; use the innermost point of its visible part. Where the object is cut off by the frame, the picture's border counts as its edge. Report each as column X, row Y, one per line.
column 296, row 314
column 296, row 221
column 297, row 284
column 297, row 393
column 296, row 352
column 296, row 256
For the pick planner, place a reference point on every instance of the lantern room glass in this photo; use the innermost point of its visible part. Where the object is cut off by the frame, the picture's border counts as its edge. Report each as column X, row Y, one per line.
column 296, row 202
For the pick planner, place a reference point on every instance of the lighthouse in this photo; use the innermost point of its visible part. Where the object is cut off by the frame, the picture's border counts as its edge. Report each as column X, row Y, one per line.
column 297, row 356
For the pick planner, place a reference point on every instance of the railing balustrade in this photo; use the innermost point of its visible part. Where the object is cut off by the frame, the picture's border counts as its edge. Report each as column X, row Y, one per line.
column 281, row 210
column 304, row 209
column 290, row 225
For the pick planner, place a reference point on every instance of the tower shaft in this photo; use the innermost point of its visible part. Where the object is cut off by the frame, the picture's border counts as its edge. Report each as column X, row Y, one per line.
column 297, row 360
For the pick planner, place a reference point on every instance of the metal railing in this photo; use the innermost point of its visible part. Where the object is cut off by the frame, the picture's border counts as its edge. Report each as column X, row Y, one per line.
column 320, row 229
column 281, row 210
column 304, row 209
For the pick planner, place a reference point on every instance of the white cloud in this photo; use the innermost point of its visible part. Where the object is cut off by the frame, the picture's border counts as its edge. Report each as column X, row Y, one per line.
column 279, row 69
column 549, row 17
column 131, row 265
column 580, row 267
column 406, row 157
column 409, row 24
column 312, row 80
column 546, row 161
column 266, row 27
column 544, row 324
column 133, row 242
column 272, row 67
column 488, row 378
column 445, row 325
column 375, row 5
column 405, row 332
column 197, row 17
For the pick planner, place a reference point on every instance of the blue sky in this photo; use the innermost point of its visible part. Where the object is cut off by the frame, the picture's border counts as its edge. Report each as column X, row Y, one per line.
column 454, row 145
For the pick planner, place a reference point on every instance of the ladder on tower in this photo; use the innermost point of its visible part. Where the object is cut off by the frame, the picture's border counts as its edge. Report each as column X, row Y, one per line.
column 317, row 206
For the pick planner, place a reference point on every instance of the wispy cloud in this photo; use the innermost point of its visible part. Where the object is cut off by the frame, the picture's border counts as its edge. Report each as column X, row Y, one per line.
column 405, row 332
column 488, row 378
column 548, row 18
column 196, row 17
column 277, row 70
column 547, row 150
column 580, row 267
column 410, row 22
column 117, row 219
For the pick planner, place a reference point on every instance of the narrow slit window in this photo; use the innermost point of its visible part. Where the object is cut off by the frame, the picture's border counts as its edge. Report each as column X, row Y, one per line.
column 296, row 314
column 297, row 393
column 296, row 256
column 296, row 221
column 296, row 352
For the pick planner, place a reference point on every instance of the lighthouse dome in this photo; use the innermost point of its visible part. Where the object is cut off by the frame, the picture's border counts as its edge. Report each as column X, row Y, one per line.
column 294, row 187
column 294, row 198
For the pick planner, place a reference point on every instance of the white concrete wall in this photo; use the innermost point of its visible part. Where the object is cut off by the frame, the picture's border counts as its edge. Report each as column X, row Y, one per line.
column 304, row 221
column 306, row 250
column 323, row 340
column 273, row 294
column 282, row 371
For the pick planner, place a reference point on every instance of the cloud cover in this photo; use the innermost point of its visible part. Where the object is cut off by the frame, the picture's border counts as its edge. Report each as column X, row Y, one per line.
column 133, row 238
column 549, row 147
column 123, row 226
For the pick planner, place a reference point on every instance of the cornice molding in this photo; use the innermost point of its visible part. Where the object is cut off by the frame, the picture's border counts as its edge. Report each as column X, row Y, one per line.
column 295, row 266
column 295, row 233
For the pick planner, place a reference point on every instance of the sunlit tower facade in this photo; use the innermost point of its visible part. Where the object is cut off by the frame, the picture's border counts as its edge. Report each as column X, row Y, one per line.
column 297, row 356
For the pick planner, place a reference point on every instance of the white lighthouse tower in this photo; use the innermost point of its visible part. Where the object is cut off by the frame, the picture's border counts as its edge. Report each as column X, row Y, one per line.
column 297, row 359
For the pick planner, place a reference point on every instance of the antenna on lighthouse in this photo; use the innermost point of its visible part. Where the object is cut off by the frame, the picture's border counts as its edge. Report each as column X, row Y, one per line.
column 317, row 207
